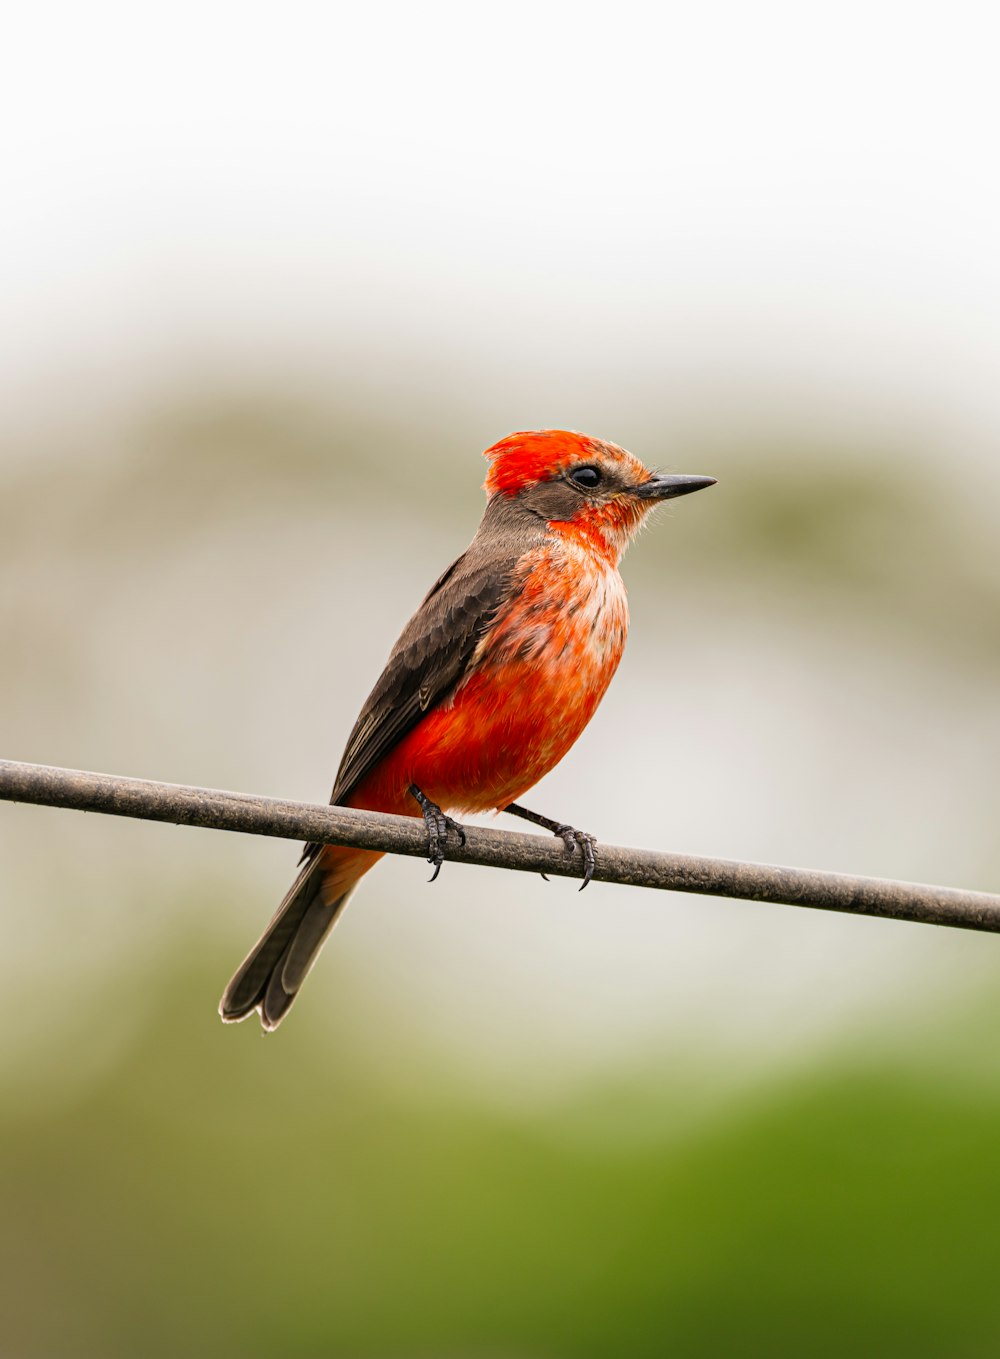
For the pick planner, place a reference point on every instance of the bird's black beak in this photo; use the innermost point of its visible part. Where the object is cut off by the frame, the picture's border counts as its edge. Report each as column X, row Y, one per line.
column 664, row 487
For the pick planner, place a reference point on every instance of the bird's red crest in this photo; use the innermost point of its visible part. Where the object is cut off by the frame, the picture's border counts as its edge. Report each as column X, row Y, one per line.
column 531, row 456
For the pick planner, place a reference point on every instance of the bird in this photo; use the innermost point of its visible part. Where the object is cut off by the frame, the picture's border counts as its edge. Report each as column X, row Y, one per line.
column 489, row 685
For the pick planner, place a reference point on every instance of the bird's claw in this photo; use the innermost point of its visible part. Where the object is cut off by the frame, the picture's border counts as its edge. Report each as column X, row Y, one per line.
column 437, row 838
column 438, row 825
column 570, row 837
column 573, row 838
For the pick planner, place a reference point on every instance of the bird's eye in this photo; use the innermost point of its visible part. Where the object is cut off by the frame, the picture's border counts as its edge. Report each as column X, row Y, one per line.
column 588, row 477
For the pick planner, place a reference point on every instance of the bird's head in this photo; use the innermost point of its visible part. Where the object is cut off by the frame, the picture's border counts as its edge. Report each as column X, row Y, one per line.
column 596, row 489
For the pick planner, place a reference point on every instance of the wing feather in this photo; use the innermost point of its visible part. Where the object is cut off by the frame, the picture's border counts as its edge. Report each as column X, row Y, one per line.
column 437, row 646
column 432, row 655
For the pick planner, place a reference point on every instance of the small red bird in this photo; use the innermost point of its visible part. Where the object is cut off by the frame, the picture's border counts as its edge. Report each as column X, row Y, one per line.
column 492, row 680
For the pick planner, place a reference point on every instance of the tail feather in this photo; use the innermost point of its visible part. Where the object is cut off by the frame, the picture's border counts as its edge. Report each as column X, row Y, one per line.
column 269, row 978
column 277, row 999
column 308, row 939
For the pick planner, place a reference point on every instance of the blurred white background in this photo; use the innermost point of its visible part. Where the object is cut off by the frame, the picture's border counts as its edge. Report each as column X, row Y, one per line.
column 781, row 206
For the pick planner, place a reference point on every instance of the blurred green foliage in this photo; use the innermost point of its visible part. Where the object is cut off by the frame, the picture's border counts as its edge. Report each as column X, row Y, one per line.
column 221, row 1192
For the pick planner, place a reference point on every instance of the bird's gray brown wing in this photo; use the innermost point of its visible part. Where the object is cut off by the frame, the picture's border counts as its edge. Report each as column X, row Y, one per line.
column 431, row 656
column 438, row 644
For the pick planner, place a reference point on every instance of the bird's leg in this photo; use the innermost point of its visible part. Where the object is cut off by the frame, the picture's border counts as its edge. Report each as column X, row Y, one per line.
column 438, row 825
column 571, row 838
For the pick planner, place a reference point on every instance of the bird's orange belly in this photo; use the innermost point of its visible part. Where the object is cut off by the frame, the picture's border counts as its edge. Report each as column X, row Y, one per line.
column 544, row 669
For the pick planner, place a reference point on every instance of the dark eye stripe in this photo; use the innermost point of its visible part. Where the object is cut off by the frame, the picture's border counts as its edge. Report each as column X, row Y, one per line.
column 586, row 476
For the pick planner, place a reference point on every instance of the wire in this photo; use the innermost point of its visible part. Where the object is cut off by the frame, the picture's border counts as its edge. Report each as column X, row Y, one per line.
column 252, row 815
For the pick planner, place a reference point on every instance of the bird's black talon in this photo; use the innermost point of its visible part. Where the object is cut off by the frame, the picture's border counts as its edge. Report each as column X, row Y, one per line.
column 587, row 843
column 571, row 838
column 438, row 825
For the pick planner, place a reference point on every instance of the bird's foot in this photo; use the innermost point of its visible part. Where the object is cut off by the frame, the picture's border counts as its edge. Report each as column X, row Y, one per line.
column 438, row 825
column 571, row 838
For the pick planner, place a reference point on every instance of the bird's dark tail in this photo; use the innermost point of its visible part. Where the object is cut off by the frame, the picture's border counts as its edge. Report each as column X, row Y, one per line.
column 272, row 973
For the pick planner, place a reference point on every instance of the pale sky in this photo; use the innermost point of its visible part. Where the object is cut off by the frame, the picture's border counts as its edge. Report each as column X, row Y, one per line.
column 771, row 200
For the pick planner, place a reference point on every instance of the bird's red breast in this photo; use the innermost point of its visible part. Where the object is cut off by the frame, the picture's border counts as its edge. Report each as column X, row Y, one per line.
column 533, row 685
